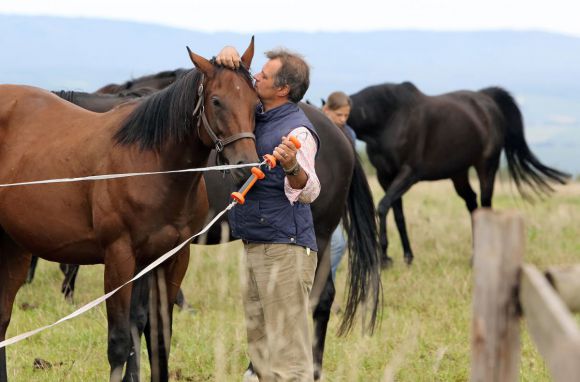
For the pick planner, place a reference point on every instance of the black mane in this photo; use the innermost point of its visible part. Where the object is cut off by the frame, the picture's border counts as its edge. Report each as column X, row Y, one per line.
column 167, row 114
column 67, row 95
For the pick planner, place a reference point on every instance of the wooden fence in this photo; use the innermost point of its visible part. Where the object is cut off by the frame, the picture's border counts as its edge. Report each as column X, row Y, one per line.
column 506, row 291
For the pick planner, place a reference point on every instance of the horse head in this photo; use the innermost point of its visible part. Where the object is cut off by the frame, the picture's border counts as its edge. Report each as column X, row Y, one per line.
column 226, row 110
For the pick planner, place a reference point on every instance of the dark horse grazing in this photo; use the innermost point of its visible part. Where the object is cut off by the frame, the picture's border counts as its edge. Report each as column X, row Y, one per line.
column 413, row 137
column 345, row 191
column 124, row 223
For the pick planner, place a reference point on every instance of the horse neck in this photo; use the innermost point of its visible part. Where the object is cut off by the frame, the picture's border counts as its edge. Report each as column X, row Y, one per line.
column 189, row 153
column 374, row 108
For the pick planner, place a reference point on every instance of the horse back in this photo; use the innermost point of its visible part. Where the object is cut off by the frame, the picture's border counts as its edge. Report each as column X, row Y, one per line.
column 450, row 132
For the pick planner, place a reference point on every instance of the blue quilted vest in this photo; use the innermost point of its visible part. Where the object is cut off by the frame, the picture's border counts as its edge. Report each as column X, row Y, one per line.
column 267, row 215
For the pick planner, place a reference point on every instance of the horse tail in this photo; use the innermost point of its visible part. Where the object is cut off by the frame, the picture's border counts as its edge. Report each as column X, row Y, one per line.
column 524, row 167
column 364, row 280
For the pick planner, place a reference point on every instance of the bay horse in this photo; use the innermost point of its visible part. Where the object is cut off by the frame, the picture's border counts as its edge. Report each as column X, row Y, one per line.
column 345, row 193
column 413, row 137
column 123, row 223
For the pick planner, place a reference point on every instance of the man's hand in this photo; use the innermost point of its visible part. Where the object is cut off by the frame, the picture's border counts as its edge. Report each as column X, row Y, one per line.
column 285, row 154
column 228, row 57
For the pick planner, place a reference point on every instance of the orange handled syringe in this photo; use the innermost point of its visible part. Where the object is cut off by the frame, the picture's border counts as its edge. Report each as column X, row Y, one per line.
column 271, row 160
column 240, row 195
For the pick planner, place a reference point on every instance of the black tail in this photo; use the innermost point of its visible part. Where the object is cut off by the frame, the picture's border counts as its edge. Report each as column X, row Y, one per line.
column 524, row 168
column 364, row 280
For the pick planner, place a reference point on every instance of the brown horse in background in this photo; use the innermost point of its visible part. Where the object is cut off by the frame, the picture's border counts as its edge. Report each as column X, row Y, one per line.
column 124, row 223
column 157, row 81
column 413, row 137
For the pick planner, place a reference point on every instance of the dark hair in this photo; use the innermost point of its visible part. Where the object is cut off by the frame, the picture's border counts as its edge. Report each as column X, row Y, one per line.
column 294, row 72
column 336, row 100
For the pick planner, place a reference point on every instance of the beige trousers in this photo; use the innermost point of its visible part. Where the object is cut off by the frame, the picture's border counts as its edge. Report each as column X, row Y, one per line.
column 279, row 280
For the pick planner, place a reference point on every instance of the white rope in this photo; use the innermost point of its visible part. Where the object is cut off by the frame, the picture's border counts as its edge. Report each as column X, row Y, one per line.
column 113, row 176
column 99, row 300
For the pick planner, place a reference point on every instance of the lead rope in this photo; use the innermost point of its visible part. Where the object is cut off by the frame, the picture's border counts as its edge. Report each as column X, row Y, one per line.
column 97, row 301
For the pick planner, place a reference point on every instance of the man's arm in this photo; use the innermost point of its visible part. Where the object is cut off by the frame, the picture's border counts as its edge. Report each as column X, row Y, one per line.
column 286, row 155
column 228, row 57
column 304, row 186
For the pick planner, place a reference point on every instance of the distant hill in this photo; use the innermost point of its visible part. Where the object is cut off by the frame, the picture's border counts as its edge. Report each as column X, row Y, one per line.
column 541, row 69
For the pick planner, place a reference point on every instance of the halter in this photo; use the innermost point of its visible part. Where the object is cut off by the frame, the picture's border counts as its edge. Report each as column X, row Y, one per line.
column 199, row 112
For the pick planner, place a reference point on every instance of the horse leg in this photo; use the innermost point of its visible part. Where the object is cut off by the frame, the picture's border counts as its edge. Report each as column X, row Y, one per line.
column 119, row 268
column 487, row 181
column 464, row 190
column 402, row 228
column 14, row 265
column 164, row 288
column 382, row 211
column 68, row 284
column 321, row 316
column 138, row 318
column 393, row 193
column 31, row 269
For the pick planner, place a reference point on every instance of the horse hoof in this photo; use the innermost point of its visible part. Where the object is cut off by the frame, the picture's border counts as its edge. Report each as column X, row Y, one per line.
column 318, row 375
column 409, row 260
column 386, row 262
column 249, row 376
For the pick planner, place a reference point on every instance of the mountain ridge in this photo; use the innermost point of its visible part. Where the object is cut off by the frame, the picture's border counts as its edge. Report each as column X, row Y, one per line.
column 541, row 69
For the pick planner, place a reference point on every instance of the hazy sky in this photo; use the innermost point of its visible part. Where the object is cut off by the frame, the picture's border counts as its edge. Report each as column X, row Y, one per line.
column 336, row 15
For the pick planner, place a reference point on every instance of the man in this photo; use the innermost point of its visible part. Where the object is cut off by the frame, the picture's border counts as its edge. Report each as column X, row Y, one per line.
column 275, row 223
column 337, row 108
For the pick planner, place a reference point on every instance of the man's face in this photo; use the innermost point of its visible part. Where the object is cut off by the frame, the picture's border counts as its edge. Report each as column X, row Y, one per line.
column 265, row 80
column 338, row 116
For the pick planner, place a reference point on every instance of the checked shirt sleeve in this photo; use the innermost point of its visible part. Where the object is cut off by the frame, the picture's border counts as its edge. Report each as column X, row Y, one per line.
column 305, row 158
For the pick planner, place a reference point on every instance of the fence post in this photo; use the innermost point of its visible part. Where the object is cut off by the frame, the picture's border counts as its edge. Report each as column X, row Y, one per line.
column 495, row 338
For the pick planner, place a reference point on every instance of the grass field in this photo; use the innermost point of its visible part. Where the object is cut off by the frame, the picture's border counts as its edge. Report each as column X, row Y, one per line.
column 425, row 326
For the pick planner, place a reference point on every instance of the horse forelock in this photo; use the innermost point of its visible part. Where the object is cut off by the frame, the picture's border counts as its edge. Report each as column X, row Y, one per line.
column 242, row 70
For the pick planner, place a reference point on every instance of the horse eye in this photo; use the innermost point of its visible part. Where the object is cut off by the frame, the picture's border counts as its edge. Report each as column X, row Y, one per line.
column 216, row 102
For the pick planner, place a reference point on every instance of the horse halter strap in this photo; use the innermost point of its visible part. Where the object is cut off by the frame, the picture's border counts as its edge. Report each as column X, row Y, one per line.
column 199, row 112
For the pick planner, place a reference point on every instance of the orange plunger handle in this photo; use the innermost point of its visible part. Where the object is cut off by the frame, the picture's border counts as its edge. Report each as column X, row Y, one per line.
column 240, row 195
column 269, row 158
column 296, row 142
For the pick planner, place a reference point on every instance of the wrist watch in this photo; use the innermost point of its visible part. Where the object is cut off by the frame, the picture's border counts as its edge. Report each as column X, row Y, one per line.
column 295, row 170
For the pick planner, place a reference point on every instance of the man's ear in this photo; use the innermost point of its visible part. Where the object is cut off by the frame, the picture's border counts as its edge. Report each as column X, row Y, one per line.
column 284, row 91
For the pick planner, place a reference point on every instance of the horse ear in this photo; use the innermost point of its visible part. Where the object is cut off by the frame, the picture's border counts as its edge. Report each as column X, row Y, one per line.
column 248, row 54
column 201, row 63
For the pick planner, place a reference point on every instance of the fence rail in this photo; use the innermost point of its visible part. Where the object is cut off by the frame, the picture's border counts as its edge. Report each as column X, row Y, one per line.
column 507, row 290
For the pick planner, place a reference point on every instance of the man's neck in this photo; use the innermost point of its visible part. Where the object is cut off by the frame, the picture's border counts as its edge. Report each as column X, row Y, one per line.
column 274, row 103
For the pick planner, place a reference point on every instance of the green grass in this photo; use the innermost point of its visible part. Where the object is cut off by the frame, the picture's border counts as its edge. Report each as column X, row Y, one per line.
column 425, row 327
